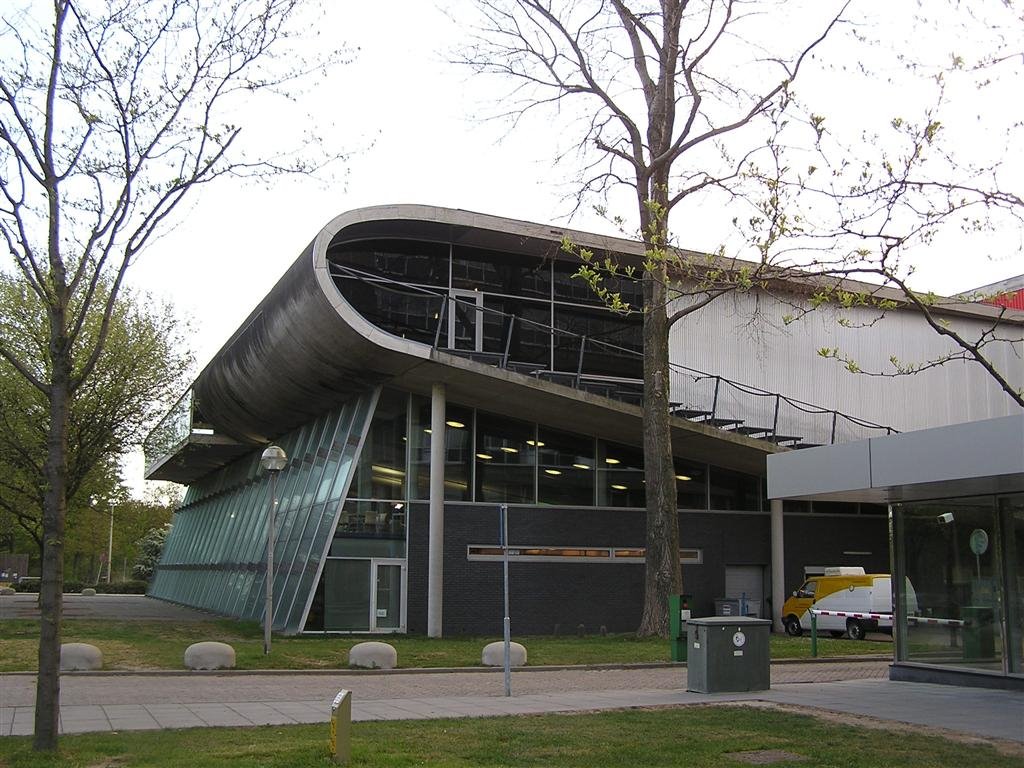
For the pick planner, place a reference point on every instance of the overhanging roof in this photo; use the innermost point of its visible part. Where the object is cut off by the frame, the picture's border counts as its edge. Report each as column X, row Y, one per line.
column 304, row 349
column 975, row 458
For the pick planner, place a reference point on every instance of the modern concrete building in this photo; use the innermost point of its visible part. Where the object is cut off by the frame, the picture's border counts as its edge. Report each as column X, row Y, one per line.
column 401, row 323
column 956, row 500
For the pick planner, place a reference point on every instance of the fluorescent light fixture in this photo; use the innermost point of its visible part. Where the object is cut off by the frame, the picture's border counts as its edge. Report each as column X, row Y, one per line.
column 506, row 449
column 377, row 468
column 581, row 466
column 552, row 472
column 612, row 461
column 619, row 487
column 484, row 456
column 427, row 430
column 456, row 424
column 536, row 443
column 683, row 477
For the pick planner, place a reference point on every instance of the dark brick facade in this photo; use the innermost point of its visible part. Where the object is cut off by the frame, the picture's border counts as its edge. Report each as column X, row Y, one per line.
column 543, row 595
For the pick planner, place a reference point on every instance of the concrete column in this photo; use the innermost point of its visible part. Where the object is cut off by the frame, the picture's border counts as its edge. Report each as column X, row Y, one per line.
column 778, row 566
column 435, row 548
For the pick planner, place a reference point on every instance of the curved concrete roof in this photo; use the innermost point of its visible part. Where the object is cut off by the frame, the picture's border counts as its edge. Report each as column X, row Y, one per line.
column 304, row 349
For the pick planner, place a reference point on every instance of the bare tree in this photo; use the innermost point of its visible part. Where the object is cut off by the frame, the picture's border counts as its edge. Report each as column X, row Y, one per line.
column 881, row 196
column 672, row 99
column 111, row 115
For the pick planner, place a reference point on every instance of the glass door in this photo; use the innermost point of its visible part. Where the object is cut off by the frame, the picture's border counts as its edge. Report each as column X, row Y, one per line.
column 465, row 320
column 388, row 596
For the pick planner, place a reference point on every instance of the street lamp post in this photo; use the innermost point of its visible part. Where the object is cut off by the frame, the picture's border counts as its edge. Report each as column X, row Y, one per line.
column 273, row 461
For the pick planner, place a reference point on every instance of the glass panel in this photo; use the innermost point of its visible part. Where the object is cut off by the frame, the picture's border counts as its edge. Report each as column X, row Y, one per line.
column 620, row 476
column 1011, row 511
column 347, row 595
column 458, row 450
column 691, row 484
column 381, row 471
column 388, row 613
column 497, row 272
column 505, row 459
column 614, row 341
column 373, row 519
column 734, row 490
column 464, row 320
column 947, row 550
column 409, row 261
column 566, row 468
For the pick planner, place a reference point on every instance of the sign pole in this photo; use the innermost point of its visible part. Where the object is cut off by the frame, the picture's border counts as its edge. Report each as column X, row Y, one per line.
column 507, row 624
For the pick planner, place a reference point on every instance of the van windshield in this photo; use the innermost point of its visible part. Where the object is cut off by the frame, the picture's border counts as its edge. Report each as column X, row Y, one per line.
column 808, row 589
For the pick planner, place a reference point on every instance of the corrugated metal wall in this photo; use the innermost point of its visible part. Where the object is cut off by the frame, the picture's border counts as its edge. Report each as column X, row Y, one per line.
column 743, row 338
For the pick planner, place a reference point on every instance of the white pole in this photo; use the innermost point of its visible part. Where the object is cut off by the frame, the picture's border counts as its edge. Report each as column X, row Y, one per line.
column 507, row 623
column 778, row 565
column 268, row 619
column 435, row 538
column 110, row 543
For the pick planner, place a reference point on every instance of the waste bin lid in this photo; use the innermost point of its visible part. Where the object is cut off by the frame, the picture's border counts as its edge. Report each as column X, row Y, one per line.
column 733, row 621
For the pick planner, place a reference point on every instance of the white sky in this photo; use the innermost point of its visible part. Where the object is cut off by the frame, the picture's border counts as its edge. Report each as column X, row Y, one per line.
column 408, row 117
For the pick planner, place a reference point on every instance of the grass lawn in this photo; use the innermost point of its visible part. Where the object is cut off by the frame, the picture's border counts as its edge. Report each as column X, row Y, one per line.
column 696, row 737
column 162, row 644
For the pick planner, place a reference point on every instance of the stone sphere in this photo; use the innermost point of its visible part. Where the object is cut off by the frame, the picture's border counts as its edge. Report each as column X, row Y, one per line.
column 209, row 655
column 80, row 657
column 89, row 592
column 494, row 655
column 373, row 655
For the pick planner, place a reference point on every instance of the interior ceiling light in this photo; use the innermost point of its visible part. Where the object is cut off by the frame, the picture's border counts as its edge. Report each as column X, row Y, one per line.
column 619, row 487
column 683, row 477
column 427, row 431
column 506, row 449
column 581, row 466
column 552, row 472
column 612, row 461
column 537, row 443
column 388, row 471
column 456, row 424
column 484, row 456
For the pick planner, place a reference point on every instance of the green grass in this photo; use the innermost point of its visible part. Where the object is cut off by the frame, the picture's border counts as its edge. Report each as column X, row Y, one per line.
column 162, row 644
column 696, row 737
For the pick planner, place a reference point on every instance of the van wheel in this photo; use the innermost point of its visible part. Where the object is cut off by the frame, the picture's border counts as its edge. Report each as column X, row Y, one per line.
column 855, row 629
column 793, row 628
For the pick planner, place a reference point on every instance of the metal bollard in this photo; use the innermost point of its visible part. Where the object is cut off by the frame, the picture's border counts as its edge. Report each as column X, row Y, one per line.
column 814, row 635
column 341, row 727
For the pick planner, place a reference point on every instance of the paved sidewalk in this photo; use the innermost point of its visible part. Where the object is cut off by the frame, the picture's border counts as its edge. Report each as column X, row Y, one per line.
column 152, row 702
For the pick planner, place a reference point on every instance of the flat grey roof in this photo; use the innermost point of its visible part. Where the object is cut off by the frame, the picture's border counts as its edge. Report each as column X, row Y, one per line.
column 975, row 458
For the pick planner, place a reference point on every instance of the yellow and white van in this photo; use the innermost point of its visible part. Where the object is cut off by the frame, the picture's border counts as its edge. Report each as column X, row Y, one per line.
column 846, row 590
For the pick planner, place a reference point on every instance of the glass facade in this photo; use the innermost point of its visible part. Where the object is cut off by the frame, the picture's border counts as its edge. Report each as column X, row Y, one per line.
column 476, row 300
column 961, row 566
column 215, row 556
column 345, row 495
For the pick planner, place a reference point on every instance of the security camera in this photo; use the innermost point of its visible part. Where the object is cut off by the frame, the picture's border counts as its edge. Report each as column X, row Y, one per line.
column 945, row 518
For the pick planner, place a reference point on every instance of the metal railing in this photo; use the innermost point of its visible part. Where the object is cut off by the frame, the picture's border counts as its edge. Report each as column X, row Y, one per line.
column 695, row 395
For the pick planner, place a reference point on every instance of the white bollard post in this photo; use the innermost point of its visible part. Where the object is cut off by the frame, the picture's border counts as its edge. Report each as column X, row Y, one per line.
column 341, row 728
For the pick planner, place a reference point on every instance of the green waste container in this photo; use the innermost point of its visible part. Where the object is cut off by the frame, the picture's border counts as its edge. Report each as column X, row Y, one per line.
column 678, row 615
column 728, row 654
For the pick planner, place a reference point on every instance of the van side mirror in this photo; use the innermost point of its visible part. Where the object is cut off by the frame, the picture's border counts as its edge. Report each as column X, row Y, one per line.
column 795, row 594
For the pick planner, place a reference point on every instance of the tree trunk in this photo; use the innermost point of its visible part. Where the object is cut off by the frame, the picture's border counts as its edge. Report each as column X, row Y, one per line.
column 47, row 715
column 662, row 573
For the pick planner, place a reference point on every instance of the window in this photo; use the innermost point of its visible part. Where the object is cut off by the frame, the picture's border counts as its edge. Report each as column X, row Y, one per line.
column 566, row 468
column 620, row 476
column 505, row 459
column 538, row 554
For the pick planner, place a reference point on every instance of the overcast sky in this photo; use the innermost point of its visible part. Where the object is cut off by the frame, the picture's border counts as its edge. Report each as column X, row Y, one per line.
column 412, row 122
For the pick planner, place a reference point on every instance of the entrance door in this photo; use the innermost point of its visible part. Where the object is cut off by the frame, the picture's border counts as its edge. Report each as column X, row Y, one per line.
column 364, row 595
column 465, row 320
column 745, row 583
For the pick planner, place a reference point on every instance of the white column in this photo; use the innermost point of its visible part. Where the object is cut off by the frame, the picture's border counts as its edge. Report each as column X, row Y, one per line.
column 778, row 566
column 435, row 549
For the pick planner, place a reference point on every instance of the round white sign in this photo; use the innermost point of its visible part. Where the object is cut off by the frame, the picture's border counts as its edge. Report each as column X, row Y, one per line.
column 979, row 541
column 739, row 639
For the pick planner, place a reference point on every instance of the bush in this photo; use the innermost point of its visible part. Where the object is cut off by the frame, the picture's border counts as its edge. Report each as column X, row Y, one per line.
column 136, row 587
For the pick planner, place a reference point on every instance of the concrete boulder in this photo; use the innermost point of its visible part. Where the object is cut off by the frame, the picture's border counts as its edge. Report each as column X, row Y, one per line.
column 373, row 655
column 80, row 657
column 89, row 592
column 494, row 655
column 209, row 655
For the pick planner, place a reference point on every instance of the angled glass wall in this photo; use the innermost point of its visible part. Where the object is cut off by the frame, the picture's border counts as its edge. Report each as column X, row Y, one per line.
column 215, row 556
